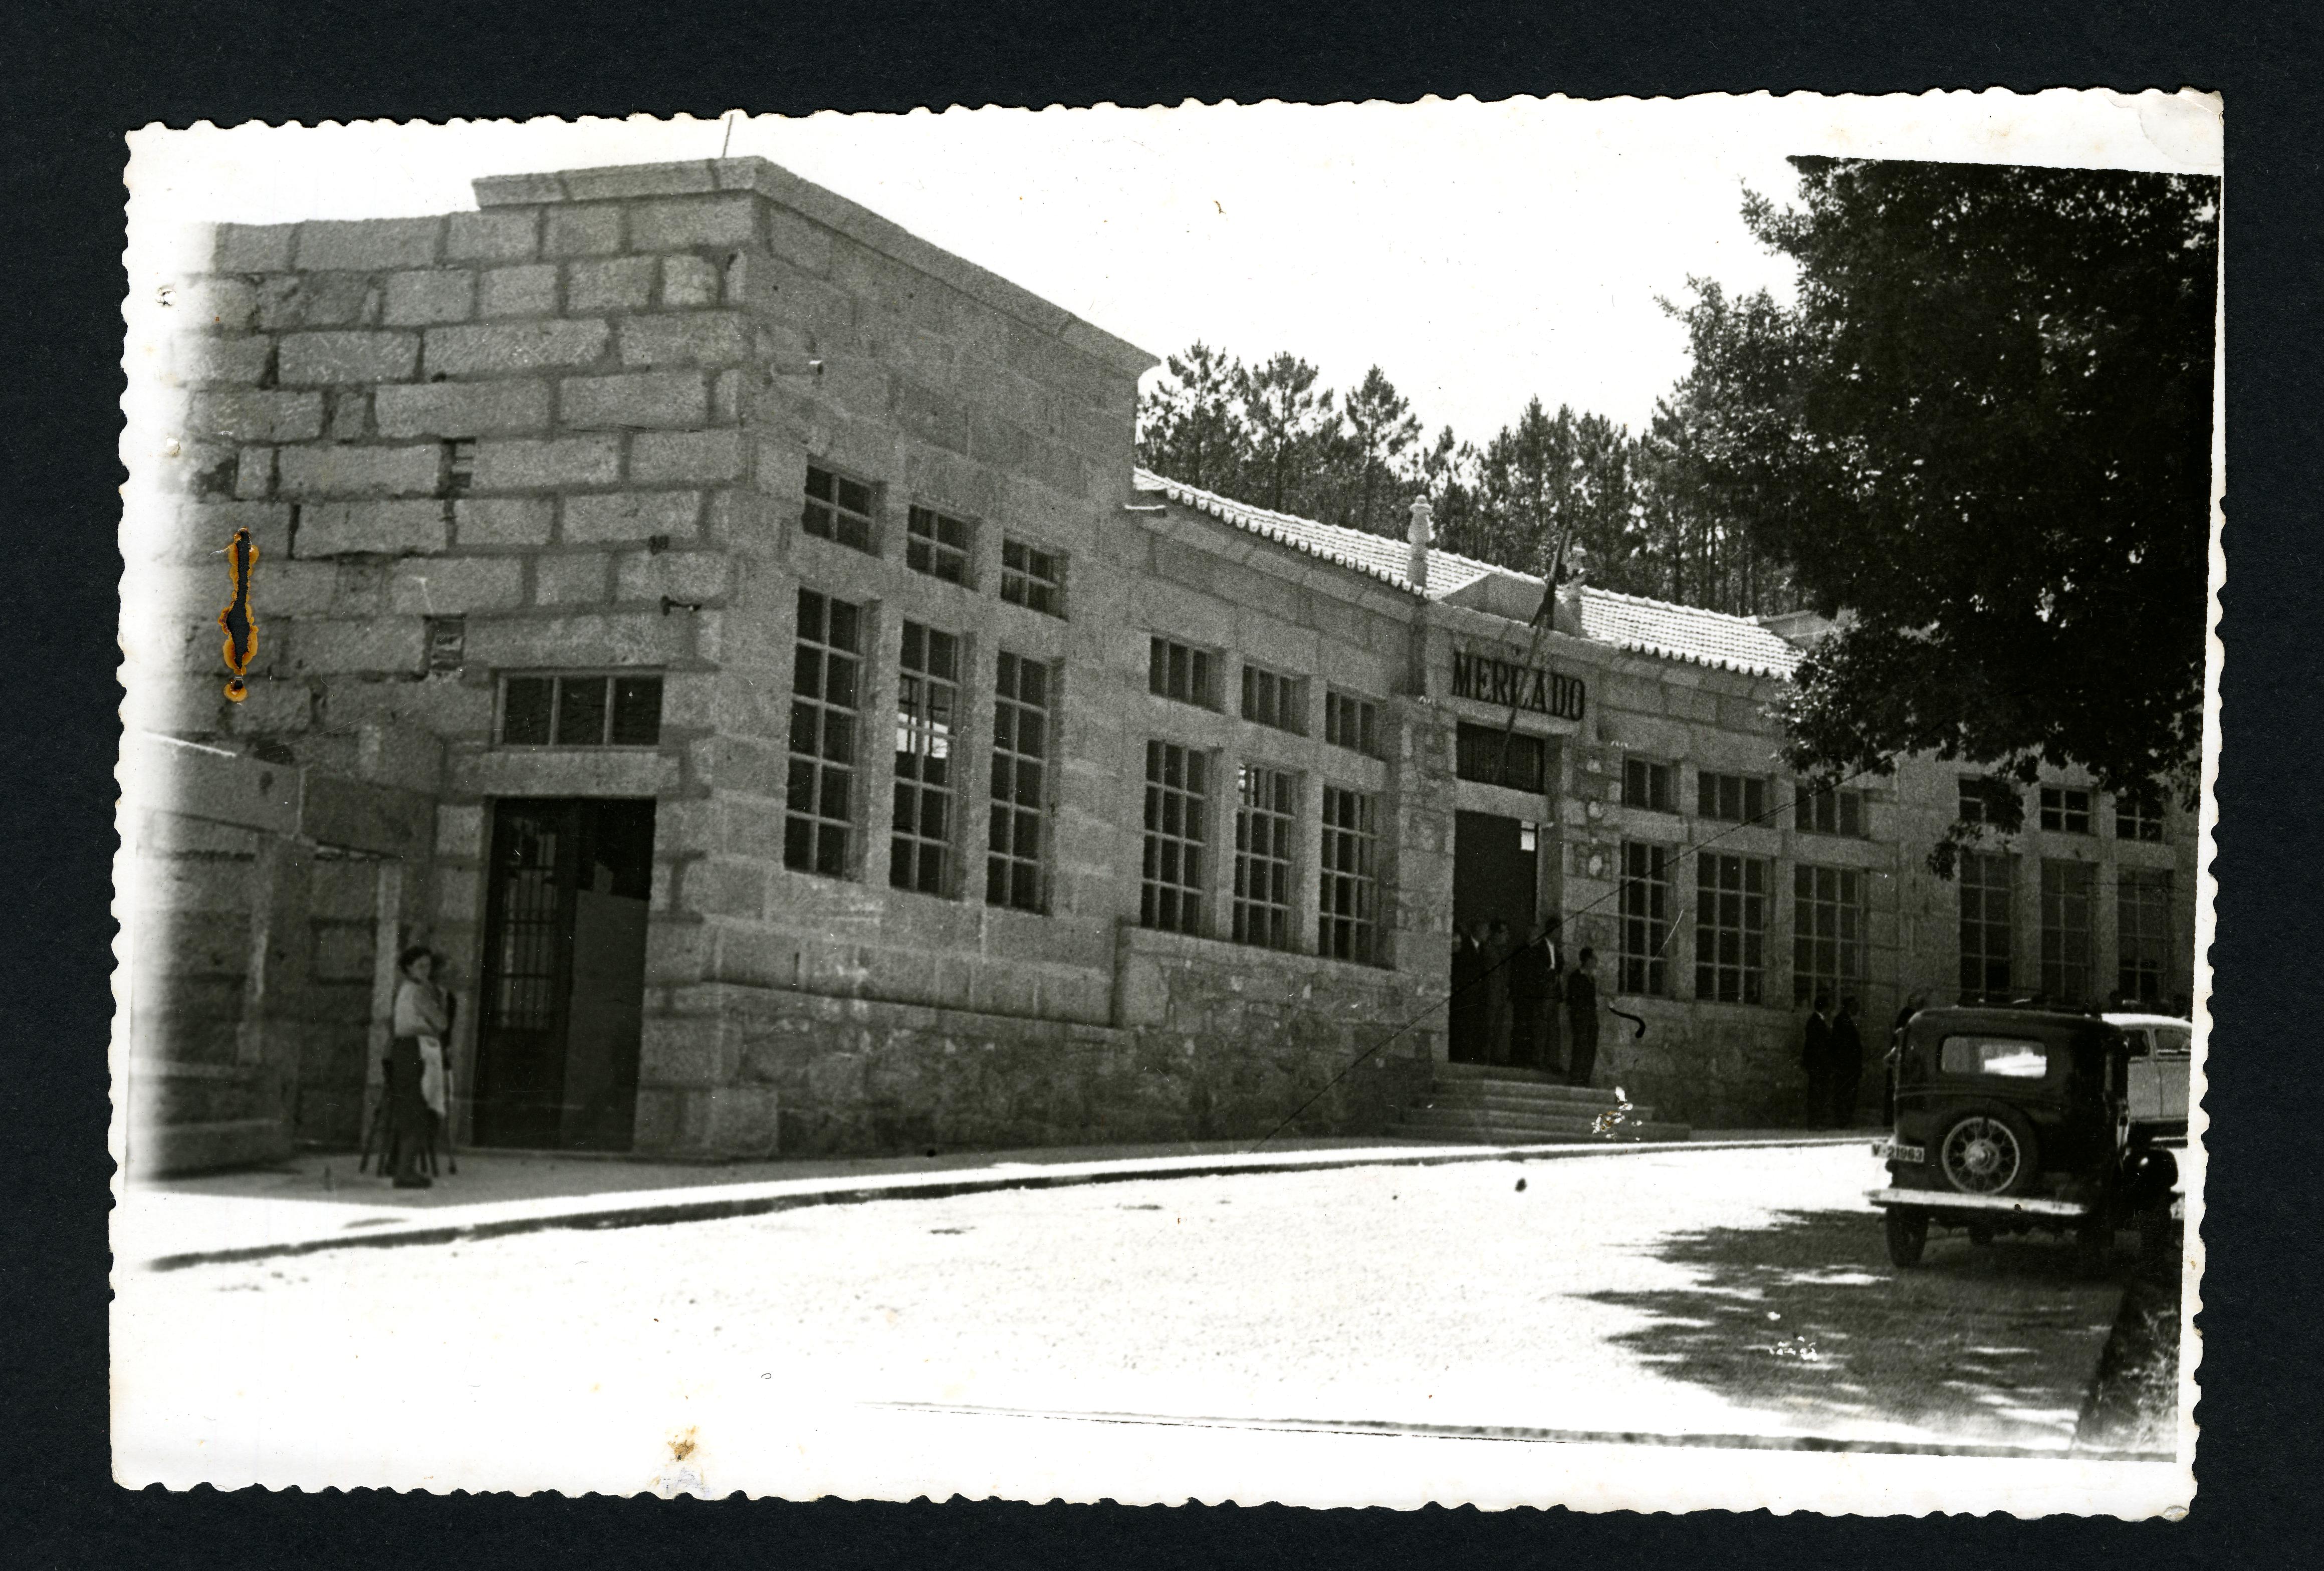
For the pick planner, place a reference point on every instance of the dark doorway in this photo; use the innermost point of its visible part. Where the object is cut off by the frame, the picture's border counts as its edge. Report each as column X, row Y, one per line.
column 564, row 983
column 1493, row 879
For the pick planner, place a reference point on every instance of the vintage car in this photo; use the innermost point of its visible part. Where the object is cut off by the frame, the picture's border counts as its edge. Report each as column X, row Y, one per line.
column 2017, row 1120
column 2162, row 1055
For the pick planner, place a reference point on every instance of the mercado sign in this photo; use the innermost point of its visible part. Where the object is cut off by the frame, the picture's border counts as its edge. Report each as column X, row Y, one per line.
column 1513, row 687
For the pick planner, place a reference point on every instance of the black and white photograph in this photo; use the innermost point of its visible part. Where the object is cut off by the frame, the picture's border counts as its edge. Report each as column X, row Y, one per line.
column 1363, row 804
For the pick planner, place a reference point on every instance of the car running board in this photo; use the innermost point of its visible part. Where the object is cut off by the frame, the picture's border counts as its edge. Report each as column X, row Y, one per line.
column 1938, row 1200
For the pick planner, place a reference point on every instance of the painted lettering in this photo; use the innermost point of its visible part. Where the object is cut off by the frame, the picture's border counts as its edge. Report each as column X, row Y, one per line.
column 1498, row 682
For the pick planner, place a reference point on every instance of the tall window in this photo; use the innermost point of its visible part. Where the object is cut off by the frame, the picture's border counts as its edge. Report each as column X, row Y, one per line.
column 1985, row 896
column 1645, row 918
column 592, row 711
column 1033, row 578
column 2065, row 810
column 1496, row 755
column 1180, row 671
column 1020, row 765
column 1647, row 785
column 2066, row 932
column 1827, row 931
column 1351, row 722
column 1731, row 928
column 820, row 810
column 1349, row 924
column 1734, row 798
column 1265, row 812
column 1272, row 698
column 2138, row 818
column 1824, row 809
column 2143, row 933
column 837, row 509
column 937, row 544
column 1177, row 828
column 928, row 696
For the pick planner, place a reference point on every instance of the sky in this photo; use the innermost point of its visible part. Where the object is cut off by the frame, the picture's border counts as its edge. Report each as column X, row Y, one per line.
column 1479, row 254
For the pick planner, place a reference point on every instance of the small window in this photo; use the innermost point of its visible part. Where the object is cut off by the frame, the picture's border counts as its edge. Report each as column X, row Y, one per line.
column 581, row 711
column 2138, row 818
column 1496, row 755
column 1731, row 799
column 838, row 509
column 1647, row 785
column 2173, row 1041
column 2065, row 811
column 937, row 544
column 2005, row 1058
column 1180, row 671
column 1033, row 578
column 1979, row 800
column 1351, row 722
column 1272, row 698
column 1825, row 810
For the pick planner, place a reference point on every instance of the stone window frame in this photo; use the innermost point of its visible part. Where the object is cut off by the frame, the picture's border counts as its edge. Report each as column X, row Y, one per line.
column 1200, row 665
column 1173, row 877
column 930, row 553
column 1826, row 903
column 1731, row 927
column 1348, row 893
column 2142, row 938
column 810, row 775
column 840, row 512
column 1650, row 772
column 613, row 677
column 1344, row 711
column 1645, row 925
column 1022, row 582
column 927, row 731
column 1008, row 864
column 2069, row 809
column 1835, row 810
column 2069, row 948
column 2138, row 819
column 1711, row 791
column 1274, row 698
column 1984, row 937
column 1264, row 900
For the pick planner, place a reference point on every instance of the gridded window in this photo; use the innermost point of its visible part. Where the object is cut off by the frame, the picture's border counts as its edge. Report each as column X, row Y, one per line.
column 928, row 700
column 1349, row 924
column 1827, row 931
column 1177, row 671
column 2066, row 967
column 1032, row 577
column 1824, row 809
column 1272, row 698
column 1733, row 798
column 1177, row 829
column 2137, row 817
column 2065, row 810
column 1645, row 918
column 2143, row 933
column 1351, row 722
column 1647, row 785
column 827, row 678
column 1496, row 755
column 1985, row 896
column 1021, row 767
column 1265, row 813
column 581, row 711
column 1731, row 928
column 1980, row 801
column 937, row 544
column 837, row 509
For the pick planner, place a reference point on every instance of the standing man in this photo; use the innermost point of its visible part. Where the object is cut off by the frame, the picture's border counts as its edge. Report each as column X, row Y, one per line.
column 1466, row 1024
column 1530, row 977
column 1582, row 1021
column 1847, row 1065
column 1914, row 1004
column 1815, row 1058
column 1498, row 948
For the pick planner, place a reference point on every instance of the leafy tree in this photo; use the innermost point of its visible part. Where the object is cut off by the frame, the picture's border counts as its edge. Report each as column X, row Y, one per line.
column 1985, row 431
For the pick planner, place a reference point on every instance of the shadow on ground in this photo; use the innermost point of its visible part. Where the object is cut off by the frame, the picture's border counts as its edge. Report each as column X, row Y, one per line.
column 1806, row 1321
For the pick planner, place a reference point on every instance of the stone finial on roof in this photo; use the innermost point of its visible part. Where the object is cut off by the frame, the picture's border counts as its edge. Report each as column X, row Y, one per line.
column 1421, row 533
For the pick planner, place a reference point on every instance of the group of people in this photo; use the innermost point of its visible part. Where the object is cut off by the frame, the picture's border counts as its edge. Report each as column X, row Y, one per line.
column 1509, row 995
column 1833, row 1057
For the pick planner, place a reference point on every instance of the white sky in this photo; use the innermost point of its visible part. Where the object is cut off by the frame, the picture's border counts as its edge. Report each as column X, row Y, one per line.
column 1480, row 253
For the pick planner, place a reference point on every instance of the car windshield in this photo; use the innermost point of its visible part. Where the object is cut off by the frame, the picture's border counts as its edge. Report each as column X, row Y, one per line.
column 2010, row 1058
column 2174, row 1039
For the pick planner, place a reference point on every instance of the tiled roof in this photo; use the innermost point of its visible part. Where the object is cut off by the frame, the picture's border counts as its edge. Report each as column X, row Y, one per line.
column 1631, row 621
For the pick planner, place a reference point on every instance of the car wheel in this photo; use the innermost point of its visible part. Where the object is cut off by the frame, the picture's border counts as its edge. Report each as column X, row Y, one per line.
column 1908, row 1235
column 1990, row 1152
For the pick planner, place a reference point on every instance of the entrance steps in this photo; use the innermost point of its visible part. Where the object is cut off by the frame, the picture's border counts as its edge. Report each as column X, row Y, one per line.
column 1488, row 1105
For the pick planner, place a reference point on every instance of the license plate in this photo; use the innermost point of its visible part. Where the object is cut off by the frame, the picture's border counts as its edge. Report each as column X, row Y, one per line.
column 1895, row 1152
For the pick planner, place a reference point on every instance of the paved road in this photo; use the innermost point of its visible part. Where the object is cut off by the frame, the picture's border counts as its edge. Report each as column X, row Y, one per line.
column 1708, row 1293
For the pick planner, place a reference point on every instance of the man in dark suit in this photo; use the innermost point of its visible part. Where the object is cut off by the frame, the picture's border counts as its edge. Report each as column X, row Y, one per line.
column 1582, row 1020
column 1815, row 1058
column 1847, row 1065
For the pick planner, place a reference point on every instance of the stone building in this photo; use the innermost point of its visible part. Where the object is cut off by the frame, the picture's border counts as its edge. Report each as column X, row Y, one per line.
column 829, row 743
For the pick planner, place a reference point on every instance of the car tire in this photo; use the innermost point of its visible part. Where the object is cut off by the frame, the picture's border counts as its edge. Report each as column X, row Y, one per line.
column 1907, row 1233
column 1989, row 1150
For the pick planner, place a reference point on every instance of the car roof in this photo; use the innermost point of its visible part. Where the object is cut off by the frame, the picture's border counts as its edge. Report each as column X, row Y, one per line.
column 2121, row 1018
column 2002, row 1017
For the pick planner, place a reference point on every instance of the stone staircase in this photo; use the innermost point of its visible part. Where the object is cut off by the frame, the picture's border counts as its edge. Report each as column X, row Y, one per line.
column 1486, row 1104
